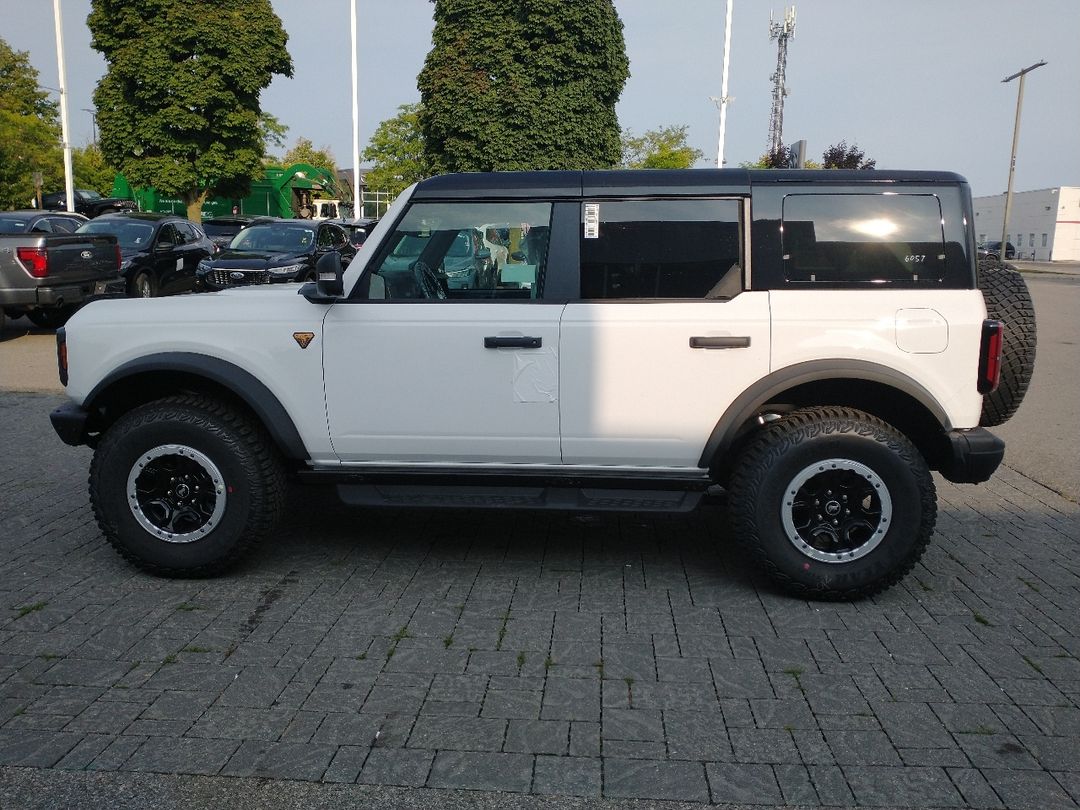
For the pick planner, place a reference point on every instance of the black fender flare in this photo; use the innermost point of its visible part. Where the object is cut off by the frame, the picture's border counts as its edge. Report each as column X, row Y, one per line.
column 772, row 385
column 246, row 386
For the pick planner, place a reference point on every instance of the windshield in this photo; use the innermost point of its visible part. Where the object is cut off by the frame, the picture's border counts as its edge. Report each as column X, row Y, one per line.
column 273, row 239
column 90, row 194
column 13, row 225
column 225, row 229
column 462, row 245
column 410, row 245
column 129, row 233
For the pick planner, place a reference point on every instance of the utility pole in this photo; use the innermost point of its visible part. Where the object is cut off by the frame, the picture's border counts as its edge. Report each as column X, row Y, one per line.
column 1012, row 159
column 782, row 33
column 69, row 180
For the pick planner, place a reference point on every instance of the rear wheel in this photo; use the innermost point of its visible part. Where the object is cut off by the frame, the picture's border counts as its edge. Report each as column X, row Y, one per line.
column 50, row 318
column 143, row 286
column 185, row 486
column 833, row 502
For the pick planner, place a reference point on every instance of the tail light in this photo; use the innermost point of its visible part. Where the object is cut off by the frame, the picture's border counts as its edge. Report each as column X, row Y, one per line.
column 119, row 258
column 35, row 260
column 61, row 355
column 993, row 333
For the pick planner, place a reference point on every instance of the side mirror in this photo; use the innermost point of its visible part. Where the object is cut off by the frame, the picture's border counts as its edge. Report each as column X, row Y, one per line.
column 329, row 273
column 163, row 247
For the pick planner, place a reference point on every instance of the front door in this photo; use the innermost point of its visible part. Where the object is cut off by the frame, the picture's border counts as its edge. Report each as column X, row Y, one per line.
column 423, row 366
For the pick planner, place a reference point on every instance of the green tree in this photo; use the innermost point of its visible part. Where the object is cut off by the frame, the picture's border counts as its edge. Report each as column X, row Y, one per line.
column 530, row 84
column 396, row 152
column 304, row 151
column 273, row 135
column 91, row 170
column 178, row 107
column 664, row 148
column 29, row 131
column 842, row 156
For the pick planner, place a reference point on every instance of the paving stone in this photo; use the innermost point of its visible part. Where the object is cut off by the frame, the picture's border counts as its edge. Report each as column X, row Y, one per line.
column 743, row 784
column 537, row 737
column 644, row 779
column 861, row 747
column 280, row 760
column 409, row 767
column 173, row 755
column 105, row 718
column 632, row 724
column 242, row 723
column 916, row 787
column 515, row 703
column 1029, row 790
column 481, row 771
column 37, row 749
column 763, row 746
column 458, row 733
column 796, row 786
column 571, row 699
column 974, row 788
column 912, row 725
column 697, row 735
column 567, row 776
column 996, row 751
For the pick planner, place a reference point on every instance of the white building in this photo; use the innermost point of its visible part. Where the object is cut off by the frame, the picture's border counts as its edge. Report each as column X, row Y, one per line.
column 1044, row 225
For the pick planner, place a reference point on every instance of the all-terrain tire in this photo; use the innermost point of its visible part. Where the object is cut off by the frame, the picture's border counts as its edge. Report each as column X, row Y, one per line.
column 832, row 451
column 233, row 478
column 1009, row 301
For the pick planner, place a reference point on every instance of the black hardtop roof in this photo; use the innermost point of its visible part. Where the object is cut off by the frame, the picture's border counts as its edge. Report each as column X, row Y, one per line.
column 657, row 182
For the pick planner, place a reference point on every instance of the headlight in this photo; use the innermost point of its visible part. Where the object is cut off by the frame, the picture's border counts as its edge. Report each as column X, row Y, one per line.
column 287, row 270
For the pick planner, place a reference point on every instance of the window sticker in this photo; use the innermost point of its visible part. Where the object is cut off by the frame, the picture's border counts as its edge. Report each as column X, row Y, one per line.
column 592, row 220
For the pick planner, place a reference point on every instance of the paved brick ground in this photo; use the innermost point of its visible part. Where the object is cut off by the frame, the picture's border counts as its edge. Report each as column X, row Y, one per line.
column 615, row 656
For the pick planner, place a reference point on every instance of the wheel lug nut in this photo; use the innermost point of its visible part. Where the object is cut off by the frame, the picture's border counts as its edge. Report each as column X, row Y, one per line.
column 835, row 522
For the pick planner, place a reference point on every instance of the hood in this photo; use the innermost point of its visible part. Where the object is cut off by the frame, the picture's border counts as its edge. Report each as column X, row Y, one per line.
column 254, row 260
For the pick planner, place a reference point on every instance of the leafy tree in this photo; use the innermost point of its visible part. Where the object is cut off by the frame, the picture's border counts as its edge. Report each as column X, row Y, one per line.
column 530, row 84
column 842, row 156
column 664, row 148
column 29, row 131
column 273, row 135
column 396, row 151
column 91, row 170
column 304, row 151
column 178, row 107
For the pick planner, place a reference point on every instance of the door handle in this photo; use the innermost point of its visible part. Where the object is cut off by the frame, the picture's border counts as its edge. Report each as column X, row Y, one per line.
column 720, row 342
column 505, row 342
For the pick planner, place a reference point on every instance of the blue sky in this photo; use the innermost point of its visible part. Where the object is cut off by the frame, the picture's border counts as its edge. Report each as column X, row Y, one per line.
column 917, row 84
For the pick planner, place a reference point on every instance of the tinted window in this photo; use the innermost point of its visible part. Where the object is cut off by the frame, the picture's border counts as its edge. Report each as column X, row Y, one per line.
column 438, row 251
column 129, row 233
column 64, row 225
column 660, row 249
column 863, row 237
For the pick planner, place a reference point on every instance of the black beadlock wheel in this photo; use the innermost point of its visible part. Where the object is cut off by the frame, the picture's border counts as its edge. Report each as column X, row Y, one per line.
column 833, row 503
column 185, row 486
column 1009, row 301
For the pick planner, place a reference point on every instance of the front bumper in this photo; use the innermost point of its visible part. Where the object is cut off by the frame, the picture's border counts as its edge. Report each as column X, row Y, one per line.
column 69, row 422
column 973, row 456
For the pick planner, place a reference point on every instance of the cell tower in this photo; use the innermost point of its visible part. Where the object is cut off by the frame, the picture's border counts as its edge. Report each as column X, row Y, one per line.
column 782, row 33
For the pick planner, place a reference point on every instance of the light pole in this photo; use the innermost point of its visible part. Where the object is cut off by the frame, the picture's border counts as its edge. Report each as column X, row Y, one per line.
column 1012, row 160
column 93, row 121
column 358, row 200
column 69, row 181
column 722, row 100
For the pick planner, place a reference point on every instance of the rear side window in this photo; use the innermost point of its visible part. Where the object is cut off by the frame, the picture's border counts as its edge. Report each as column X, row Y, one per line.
column 841, row 238
column 660, row 249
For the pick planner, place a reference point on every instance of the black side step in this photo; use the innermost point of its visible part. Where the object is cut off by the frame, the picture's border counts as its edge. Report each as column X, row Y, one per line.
column 519, row 497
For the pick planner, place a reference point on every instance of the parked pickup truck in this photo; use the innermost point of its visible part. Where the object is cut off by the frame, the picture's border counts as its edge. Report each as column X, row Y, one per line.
column 47, row 276
column 89, row 203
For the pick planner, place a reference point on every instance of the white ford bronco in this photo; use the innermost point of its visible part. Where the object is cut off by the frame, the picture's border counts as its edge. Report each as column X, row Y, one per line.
column 815, row 342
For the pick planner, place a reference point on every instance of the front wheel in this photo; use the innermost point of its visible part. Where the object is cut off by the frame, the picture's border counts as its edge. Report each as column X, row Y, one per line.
column 185, row 486
column 143, row 286
column 833, row 502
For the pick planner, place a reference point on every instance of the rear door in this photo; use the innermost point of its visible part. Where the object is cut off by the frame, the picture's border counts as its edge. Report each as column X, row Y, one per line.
column 663, row 337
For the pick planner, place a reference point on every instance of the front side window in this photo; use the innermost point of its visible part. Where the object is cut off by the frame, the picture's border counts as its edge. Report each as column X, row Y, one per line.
column 660, row 249
column 442, row 251
column 851, row 238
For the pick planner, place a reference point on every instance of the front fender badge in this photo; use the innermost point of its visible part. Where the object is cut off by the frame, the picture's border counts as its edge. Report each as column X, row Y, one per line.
column 303, row 338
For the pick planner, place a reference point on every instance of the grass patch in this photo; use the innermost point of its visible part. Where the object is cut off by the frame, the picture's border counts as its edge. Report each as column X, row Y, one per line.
column 191, row 648
column 549, row 662
column 362, row 656
column 796, row 673
column 187, row 607
column 49, row 656
column 520, row 660
column 502, row 630
column 1032, row 664
column 26, row 610
column 169, row 659
column 447, row 641
column 1030, row 584
column 926, row 588
column 402, row 633
column 600, row 668
column 981, row 619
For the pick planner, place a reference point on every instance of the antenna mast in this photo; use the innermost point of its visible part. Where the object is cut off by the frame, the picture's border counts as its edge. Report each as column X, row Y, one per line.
column 782, row 33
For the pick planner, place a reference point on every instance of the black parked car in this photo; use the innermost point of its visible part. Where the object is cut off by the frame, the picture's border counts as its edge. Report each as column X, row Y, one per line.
column 87, row 202
column 282, row 250
column 34, row 221
column 357, row 229
column 221, row 230
column 159, row 252
column 992, row 250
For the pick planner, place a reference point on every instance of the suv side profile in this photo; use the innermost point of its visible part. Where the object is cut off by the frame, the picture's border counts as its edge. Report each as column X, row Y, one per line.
column 815, row 342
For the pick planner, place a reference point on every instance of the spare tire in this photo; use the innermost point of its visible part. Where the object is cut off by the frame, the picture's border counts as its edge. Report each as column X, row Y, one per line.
column 1008, row 300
